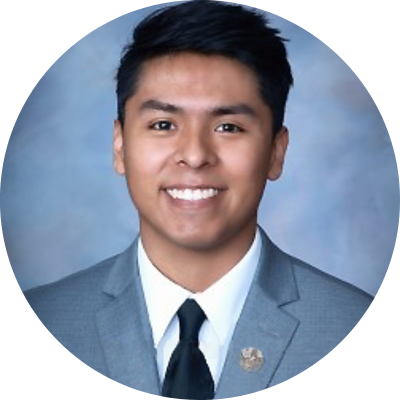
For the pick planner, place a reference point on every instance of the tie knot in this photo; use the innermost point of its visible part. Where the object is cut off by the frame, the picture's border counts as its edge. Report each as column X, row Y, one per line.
column 191, row 317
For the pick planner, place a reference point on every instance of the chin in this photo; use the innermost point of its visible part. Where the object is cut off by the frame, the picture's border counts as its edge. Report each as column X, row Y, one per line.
column 199, row 241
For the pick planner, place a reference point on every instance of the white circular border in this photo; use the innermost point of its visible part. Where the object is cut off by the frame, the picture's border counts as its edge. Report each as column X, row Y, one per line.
column 35, row 34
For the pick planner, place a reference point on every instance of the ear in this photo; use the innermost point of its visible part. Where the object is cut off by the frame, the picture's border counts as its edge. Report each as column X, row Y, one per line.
column 119, row 163
column 278, row 152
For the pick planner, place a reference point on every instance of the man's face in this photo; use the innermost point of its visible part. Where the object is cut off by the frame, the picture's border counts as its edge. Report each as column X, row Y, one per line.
column 197, row 149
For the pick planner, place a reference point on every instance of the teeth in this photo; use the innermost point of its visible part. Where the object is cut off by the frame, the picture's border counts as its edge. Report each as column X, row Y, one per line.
column 192, row 195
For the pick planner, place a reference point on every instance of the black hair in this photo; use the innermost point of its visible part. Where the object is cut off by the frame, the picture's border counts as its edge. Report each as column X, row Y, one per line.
column 210, row 28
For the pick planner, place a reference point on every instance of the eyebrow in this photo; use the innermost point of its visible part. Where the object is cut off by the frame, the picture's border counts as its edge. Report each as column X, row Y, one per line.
column 234, row 109
column 231, row 109
column 157, row 105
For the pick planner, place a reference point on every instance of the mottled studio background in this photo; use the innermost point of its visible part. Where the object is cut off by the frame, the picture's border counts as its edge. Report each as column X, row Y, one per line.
column 63, row 208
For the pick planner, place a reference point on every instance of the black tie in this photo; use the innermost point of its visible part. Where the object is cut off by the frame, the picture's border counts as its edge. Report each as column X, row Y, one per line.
column 188, row 376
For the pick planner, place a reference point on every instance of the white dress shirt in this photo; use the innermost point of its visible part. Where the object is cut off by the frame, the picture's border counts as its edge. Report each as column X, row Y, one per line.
column 222, row 303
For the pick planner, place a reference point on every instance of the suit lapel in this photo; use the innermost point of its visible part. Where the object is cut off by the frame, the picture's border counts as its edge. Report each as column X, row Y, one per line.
column 262, row 325
column 126, row 335
column 124, row 328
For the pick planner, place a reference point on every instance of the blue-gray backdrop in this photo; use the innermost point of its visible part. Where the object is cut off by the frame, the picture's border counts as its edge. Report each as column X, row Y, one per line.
column 63, row 207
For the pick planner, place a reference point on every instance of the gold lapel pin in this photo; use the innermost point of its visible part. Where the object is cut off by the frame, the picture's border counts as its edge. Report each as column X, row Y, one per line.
column 251, row 359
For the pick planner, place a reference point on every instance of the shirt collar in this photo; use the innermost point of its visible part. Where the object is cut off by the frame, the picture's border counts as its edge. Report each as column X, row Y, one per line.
column 222, row 302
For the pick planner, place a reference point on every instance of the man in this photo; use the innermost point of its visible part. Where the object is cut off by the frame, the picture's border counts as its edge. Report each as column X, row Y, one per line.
column 202, row 305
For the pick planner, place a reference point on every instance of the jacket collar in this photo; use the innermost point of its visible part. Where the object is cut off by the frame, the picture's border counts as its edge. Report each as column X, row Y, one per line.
column 123, row 272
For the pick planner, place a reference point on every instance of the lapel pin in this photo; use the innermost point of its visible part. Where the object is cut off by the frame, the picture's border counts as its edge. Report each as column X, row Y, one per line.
column 251, row 359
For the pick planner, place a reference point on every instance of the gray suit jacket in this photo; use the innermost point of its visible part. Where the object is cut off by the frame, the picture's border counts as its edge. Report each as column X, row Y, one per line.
column 294, row 314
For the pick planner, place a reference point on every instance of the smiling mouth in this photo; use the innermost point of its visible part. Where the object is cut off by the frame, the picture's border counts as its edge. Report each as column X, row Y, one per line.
column 193, row 194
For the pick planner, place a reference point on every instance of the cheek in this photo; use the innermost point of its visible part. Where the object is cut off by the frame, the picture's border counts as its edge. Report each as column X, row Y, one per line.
column 144, row 160
column 249, row 164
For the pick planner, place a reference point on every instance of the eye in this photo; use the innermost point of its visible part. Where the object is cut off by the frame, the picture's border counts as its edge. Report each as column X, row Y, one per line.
column 228, row 127
column 163, row 126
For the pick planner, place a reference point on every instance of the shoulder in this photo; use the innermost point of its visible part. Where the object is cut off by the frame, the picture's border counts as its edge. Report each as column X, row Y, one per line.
column 313, row 283
column 325, row 299
column 311, row 294
column 305, row 283
column 79, row 291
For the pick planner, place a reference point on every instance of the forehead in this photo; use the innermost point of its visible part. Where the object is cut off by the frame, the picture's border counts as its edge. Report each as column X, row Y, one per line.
column 197, row 77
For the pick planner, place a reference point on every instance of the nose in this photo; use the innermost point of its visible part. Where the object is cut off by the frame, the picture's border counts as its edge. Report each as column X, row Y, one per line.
column 196, row 149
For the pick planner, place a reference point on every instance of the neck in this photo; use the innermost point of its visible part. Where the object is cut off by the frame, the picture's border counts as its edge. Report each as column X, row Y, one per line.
column 192, row 268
